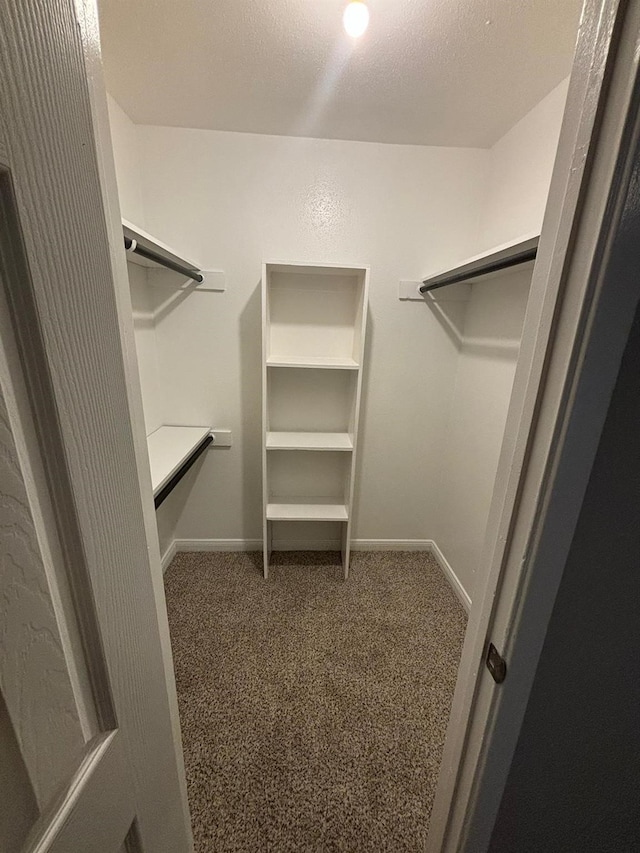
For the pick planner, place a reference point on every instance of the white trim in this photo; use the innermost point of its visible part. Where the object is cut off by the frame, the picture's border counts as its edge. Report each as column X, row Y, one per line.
column 301, row 545
column 555, row 416
column 182, row 545
column 168, row 555
column 451, row 576
column 185, row 545
column 391, row 544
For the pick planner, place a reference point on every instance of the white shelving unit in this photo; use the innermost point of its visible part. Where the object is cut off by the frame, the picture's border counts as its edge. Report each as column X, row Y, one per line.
column 313, row 329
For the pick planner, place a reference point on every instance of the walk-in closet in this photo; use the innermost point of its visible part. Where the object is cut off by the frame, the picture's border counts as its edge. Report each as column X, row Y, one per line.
column 331, row 214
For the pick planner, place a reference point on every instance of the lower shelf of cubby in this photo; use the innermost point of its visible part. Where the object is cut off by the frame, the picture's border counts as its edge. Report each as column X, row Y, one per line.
column 306, row 509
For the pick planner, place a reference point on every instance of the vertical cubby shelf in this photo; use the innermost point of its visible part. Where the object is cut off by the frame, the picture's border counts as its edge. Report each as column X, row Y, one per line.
column 313, row 328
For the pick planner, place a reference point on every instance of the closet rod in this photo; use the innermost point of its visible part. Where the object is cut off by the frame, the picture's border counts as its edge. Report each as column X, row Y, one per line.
column 182, row 470
column 483, row 269
column 133, row 246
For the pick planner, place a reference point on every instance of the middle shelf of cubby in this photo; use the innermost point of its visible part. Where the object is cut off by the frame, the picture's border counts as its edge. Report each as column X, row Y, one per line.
column 341, row 441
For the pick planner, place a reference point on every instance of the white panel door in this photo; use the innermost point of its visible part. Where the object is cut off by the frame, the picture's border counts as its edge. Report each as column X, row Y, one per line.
column 89, row 751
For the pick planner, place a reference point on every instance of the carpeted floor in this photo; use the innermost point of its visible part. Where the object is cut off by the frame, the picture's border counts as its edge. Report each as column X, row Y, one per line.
column 313, row 711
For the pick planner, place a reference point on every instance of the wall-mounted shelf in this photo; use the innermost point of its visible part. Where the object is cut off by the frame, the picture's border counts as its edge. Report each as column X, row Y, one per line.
column 172, row 451
column 521, row 251
column 147, row 251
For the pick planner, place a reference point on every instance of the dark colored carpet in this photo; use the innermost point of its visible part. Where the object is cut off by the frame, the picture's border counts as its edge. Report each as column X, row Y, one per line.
column 313, row 711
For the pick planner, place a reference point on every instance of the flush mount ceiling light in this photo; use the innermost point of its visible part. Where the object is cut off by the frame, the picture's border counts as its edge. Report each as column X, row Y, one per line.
column 356, row 18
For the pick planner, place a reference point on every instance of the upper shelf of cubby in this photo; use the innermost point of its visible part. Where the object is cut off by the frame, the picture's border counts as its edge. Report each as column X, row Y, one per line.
column 313, row 316
column 147, row 251
column 502, row 257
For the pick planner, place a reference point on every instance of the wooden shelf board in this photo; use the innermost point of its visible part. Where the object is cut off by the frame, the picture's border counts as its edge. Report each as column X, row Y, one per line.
column 143, row 238
column 312, row 361
column 306, row 509
column 169, row 447
column 473, row 267
column 309, row 441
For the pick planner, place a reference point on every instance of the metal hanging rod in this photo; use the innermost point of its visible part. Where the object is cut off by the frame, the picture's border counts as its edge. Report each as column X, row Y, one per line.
column 501, row 259
column 132, row 245
column 182, row 470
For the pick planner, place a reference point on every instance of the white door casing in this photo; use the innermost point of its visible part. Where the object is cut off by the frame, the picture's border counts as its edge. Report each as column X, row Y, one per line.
column 578, row 319
column 84, row 674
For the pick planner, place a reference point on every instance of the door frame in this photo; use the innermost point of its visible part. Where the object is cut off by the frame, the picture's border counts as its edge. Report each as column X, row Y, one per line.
column 572, row 345
column 580, row 311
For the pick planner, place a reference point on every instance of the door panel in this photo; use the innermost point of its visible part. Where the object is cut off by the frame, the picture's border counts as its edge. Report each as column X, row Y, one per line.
column 34, row 678
column 84, row 670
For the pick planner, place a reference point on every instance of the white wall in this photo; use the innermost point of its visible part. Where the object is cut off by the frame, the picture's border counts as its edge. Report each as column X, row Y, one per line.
column 428, row 455
column 143, row 304
column 234, row 200
column 128, row 160
column 519, row 173
column 518, row 178
column 126, row 153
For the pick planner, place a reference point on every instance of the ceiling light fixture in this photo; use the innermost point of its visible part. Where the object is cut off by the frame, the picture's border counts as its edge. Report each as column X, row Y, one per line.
column 356, row 18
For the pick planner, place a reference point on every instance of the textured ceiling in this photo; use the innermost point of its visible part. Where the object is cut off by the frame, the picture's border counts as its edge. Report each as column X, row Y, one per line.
column 430, row 72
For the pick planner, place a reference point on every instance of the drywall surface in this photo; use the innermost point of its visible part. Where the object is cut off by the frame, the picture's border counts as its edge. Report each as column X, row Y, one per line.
column 124, row 136
column 489, row 346
column 235, row 200
column 142, row 301
column 519, row 173
column 573, row 784
column 518, row 176
column 427, row 456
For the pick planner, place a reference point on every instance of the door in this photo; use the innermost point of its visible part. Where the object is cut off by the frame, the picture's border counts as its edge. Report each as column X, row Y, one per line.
column 90, row 755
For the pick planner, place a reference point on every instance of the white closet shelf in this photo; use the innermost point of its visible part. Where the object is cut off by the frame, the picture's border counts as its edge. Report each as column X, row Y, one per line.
column 169, row 448
column 306, row 509
column 312, row 361
column 157, row 247
column 309, row 441
column 500, row 258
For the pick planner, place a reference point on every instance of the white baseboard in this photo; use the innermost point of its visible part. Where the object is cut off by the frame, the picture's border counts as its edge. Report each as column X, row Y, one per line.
column 451, row 576
column 391, row 544
column 302, row 545
column 324, row 545
column 168, row 555
column 218, row 544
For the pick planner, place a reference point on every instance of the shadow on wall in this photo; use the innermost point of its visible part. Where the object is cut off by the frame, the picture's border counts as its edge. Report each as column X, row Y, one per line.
column 250, row 345
column 170, row 510
column 449, row 307
column 451, row 312
column 363, row 425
